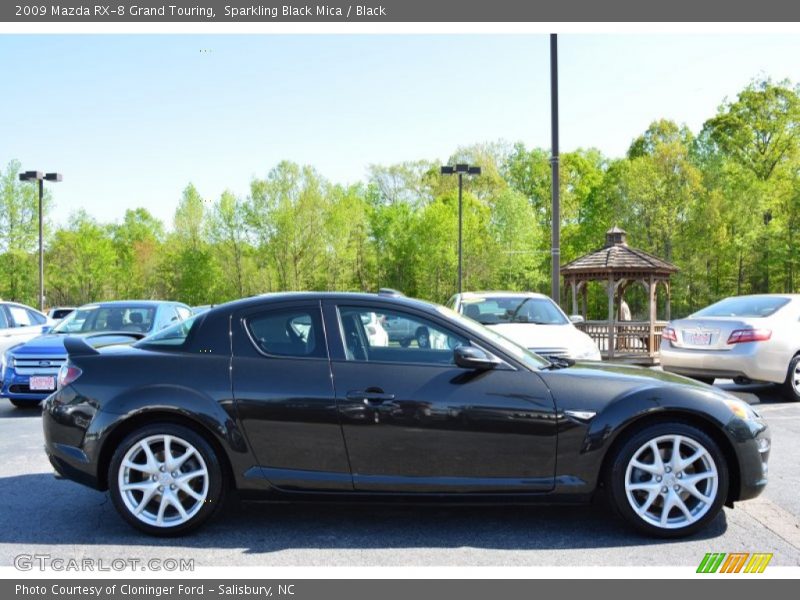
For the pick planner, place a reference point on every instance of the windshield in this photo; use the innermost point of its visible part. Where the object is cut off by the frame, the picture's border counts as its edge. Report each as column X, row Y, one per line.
column 174, row 335
column 491, row 310
column 524, row 355
column 744, row 306
column 94, row 318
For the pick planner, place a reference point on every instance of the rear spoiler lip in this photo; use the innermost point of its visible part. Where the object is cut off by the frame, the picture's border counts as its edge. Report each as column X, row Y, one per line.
column 76, row 346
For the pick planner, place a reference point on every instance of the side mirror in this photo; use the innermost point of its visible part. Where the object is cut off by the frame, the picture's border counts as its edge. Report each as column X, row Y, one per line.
column 576, row 318
column 46, row 329
column 470, row 357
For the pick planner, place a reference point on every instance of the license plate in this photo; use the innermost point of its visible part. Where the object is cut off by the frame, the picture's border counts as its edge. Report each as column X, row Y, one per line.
column 697, row 338
column 46, row 384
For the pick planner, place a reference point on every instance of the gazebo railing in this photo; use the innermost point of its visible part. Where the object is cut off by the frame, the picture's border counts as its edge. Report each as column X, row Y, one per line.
column 632, row 339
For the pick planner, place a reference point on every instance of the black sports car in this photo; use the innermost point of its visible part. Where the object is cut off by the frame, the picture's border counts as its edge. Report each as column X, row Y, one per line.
column 284, row 396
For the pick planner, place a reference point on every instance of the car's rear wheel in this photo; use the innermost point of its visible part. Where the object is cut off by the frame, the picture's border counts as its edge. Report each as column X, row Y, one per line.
column 791, row 387
column 26, row 403
column 166, row 480
column 668, row 480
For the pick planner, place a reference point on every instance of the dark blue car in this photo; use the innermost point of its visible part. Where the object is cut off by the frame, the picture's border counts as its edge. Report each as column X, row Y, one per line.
column 30, row 370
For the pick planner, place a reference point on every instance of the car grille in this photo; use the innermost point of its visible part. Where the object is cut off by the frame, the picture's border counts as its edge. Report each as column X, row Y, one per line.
column 551, row 351
column 38, row 365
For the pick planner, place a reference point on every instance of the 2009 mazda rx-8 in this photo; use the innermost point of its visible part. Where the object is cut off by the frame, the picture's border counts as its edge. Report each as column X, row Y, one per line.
column 285, row 396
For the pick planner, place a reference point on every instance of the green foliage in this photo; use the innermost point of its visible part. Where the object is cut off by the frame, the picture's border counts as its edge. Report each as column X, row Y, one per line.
column 723, row 205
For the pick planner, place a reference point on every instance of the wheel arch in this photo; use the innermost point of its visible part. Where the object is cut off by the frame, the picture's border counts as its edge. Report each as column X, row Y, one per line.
column 143, row 418
column 704, row 424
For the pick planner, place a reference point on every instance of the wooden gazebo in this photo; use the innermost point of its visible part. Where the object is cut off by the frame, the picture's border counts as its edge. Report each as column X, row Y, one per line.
column 616, row 266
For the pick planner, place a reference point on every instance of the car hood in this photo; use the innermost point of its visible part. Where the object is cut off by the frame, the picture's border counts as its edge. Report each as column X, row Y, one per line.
column 530, row 335
column 594, row 384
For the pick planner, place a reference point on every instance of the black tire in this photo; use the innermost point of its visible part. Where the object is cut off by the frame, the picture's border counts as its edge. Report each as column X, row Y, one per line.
column 405, row 342
column 26, row 404
column 706, row 380
column 790, row 390
column 205, row 509
column 617, row 473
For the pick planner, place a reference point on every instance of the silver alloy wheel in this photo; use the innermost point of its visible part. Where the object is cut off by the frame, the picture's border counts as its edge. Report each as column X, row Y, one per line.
column 163, row 480
column 671, row 481
column 795, row 375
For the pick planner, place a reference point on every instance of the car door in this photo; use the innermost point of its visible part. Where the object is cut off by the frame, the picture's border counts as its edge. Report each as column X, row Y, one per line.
column 24, row 324
column 284, row 396
column 415, row 422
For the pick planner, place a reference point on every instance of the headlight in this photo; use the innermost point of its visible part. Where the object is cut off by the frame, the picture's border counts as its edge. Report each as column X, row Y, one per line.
column 590, row 353
column 740, row 408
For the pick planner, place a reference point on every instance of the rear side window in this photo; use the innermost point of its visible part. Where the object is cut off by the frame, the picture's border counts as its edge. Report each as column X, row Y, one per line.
column 295, row 332
column 3, row 318
column 744, row 306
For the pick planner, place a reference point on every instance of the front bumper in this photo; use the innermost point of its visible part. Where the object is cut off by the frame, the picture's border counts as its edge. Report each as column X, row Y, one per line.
column 752, row 442
column 752, row 360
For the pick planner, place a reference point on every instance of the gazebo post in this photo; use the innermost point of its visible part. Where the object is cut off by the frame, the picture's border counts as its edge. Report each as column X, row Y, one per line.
column 585, row 300
column 651, row 336
column 669, row 301
column 612, row 325
column 574, row 286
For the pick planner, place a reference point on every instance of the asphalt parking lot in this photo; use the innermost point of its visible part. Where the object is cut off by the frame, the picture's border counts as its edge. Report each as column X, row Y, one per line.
column 63, row 519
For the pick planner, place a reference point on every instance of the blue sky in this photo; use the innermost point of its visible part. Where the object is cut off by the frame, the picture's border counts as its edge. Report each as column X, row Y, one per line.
column 131, row 119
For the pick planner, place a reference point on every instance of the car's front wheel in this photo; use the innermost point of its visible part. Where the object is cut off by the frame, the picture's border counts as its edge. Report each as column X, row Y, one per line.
column 165, row 479
column 668, row 480
column 791, row 387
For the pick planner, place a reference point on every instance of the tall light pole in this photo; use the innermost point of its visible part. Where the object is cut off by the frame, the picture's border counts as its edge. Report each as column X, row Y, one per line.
column 555, row 250
column 40, row 177
column 460, row 169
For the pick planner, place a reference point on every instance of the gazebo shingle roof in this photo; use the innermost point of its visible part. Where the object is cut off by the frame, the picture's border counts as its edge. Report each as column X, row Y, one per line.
column 617, row 257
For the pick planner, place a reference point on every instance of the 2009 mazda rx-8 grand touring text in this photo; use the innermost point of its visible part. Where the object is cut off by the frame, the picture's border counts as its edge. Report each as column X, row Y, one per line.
column 285, row 396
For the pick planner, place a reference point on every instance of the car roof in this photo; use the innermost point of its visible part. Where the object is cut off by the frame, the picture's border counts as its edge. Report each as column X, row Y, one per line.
column 316, row 296
column 475, row 295
column 129, row 303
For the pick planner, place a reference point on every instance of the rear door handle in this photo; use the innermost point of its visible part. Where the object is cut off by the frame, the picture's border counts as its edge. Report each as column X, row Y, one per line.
column 370, row 396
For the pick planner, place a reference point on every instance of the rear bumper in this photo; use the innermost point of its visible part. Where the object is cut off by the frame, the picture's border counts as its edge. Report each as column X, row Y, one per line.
column 751, row 360
column 65, row 425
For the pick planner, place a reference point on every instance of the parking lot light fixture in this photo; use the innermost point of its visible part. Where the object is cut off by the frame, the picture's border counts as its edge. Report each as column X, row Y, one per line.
column 41, row 177
column 461, row 169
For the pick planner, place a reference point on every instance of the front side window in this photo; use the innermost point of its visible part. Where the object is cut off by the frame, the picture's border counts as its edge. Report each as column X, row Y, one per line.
column 380, row 335
column 20, row 316
column 295, row 332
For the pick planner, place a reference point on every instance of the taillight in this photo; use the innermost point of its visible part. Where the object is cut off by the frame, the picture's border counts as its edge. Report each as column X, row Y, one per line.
column 67, row 374
column 669, row 334
column 739, row 336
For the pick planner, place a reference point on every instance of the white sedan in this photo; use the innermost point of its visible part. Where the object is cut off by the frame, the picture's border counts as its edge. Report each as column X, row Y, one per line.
column 20, row 323
column 745, row 338
column 529, row 319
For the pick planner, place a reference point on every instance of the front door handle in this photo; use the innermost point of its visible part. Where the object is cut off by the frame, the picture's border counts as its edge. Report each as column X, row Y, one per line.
column 370, row 396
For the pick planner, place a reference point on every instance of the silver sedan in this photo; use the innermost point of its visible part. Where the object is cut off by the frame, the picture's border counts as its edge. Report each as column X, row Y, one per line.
column 745, row 338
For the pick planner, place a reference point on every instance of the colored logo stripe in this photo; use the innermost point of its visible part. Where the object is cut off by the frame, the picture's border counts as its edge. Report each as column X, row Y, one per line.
column 717, row 561
column 758, row 562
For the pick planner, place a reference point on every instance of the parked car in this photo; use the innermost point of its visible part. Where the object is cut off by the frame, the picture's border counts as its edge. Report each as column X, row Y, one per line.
column 29, row 369
column 57, row 313
column 234, row 398
column 19, row 323
column 745, row 338
column 531, row 320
